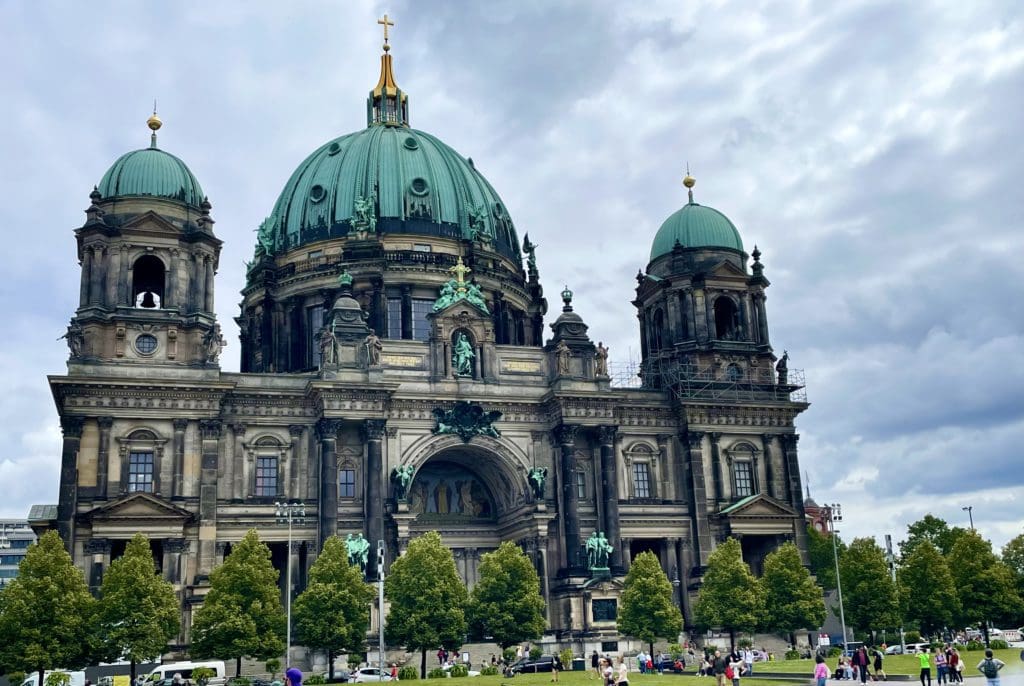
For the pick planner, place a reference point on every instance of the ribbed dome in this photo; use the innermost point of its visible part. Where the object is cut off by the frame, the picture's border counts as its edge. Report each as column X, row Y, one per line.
column 696, row 226
column 415, row 184
column 151, row 172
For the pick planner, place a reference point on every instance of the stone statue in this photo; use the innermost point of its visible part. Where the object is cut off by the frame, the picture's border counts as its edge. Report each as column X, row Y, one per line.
column 358, row 550
column 531, row 253
column 328, row 347
column 374, row 346
column 344, row 279
column 475, row 296
column 264, row 239
column 75, row 337
column 783, row 367
column 447, row 296
column 462, row 356
column 563, row 355
column 537, row 477
column 363, row 215
column 601, row 360
column 598, row 549
column 466, row 420
column 477, row 226
column 213, row 343
column 401, row 477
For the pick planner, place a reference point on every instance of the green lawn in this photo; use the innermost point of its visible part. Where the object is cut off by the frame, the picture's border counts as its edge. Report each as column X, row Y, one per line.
column 899, row 664
column 588, row 679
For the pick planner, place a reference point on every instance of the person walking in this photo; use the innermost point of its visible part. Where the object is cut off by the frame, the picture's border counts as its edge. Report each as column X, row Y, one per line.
column 293, row 676
column 879, row 667
column 595, row 664
column 718, row 665
column 941, row 665
column 926, row 668
column 748, row 660
column 990, row 667
column 556, row 667
column 860, row 659
column 735, row 669
column 956, row 666
column 820, row 671
column 622, row 678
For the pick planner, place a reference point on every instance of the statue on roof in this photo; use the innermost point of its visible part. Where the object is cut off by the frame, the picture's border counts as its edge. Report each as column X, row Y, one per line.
column 265, row 238
column 601, row 360
column 563, row 356
column 531, row 253
column 364, row 215
column 782, row 368
column 537, row 477
column 358, row 549
column 475, row 296
column 477, row 224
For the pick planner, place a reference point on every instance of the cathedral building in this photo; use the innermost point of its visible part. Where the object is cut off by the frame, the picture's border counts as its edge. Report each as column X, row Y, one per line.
column 401, row 373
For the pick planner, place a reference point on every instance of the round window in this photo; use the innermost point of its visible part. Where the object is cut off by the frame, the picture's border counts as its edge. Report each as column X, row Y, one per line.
column 419, row 186
column 333, row 148
column 317, row 193
column 411, row 143
column 145, row 344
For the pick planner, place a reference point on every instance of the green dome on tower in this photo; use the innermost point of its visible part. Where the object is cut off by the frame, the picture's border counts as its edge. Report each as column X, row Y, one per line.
column 695, row 226
column 151, row 172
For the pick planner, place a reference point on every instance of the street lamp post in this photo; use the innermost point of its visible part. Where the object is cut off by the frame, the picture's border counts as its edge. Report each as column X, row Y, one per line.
column 287, row 512
column 970, row 514
column 835, row 514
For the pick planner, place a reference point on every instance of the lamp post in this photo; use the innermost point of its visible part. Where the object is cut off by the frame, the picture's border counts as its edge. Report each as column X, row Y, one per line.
column 287, row 512
column 835, row 514
column 970, row 514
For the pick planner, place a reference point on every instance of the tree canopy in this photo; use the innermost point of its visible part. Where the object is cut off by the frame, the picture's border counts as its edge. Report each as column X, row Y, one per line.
column 928, row 594
column 792, row 599
column 241, row 615
column 933, row 529
column 427, row 599
column 647, row 609
column 822, row 557
column 138, row 611
column 870, row 597
column 506, row 603
column 986, row 585
column 332, row 614
column 730, row 596
column 46, row 613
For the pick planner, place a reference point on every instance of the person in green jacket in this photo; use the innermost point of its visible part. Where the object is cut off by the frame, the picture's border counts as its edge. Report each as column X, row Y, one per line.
column 926, row 668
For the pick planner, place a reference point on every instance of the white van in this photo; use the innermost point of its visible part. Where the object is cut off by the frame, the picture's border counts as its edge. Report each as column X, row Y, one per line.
column 185, row 669
column 77, row 678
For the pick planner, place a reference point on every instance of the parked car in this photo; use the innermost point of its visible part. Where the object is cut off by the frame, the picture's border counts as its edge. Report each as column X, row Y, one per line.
column 528, row 666
column 361, row 676
column 894, row 650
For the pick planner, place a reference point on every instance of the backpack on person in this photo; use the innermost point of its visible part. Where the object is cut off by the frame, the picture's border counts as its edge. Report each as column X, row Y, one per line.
column 989, row 668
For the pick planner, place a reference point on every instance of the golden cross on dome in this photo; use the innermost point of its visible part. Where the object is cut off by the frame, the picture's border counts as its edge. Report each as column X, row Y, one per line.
column 385, row 22
column 460, row 270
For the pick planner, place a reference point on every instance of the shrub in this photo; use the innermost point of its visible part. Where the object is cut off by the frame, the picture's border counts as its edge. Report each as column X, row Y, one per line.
column 998, row 644
column 974, row 645
column 436, row 673
column 792, row 654
column 241, row 681
column 675, row 650
column 536, row 652
column 458, row 671
column 509, row 654
column 58, row 679
column 315, row 680
column 408, row 673
column 745, row 643
column 202, row 674
column 835, row 651
column 913, row 637
column 15, row 678
column 489, row 670
column 273, row 666
column 566, row 657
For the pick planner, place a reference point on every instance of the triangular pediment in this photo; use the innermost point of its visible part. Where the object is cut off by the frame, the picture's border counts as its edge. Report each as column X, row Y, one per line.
column 726, row 268
column 461, row 309
column 150, row 222
column 759, row 505
column 140, row 506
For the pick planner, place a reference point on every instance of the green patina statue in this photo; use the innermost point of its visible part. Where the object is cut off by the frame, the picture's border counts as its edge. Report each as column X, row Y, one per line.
column 466, row 420
column 401, row 477
column 537, row 478
column 447, row 297
column 457, row 288
column 531, row 253
column 364, row 217
column 344, row 278
column 358, row 550
column 462, row 356
column 598, row 549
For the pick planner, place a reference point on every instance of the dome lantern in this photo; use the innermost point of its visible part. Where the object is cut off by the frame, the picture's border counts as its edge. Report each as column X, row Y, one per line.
column 387, row 104
column 695, row 226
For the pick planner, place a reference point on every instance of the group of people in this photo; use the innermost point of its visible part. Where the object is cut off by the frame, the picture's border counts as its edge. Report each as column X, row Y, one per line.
column 867, row 664
column 727, row 668
column 612, row 675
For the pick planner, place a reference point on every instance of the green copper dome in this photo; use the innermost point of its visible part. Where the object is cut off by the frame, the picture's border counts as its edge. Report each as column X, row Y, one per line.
column 696, row 226
column 387, row 179
column 151, row 172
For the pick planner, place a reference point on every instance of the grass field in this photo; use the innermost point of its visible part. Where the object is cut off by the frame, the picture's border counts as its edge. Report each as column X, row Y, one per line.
column 900, row 664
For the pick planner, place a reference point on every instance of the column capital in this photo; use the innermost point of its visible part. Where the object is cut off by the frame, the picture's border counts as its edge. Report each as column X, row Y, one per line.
column 715, row 437
column 328, row 428
column 295, row 430
column 176, row 545
column 694, row 439
column 373, row 429
column 766, row 439
column 238, row 429
column 606, row 434
column 105, row 423
column 71, row 426
column 789, row 441
column 97, row 546
column 210, row 429
column 180, row 424
column 566, row 433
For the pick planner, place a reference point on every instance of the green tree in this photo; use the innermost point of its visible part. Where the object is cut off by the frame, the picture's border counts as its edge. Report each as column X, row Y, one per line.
column 792, row 599
column 506, row 603
column 927, row 592
column 934, row 530
column 869, row 594
column 241, row 615
column 138, row 611
column 427, row 599
column 822, row 557
column 46, row 613
column 730, row 596
column 1013, row 557
column 647, row 610
column 333, row 613
column 986, row 585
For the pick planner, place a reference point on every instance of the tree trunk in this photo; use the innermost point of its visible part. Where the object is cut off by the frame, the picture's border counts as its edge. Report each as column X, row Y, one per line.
column 792, row 639
column 651, row 653
column 42, row 672
column 131, row 670
column 238, row 666
column 330, row 665
column 732, row 639
column 423, row 663
column 984, row 632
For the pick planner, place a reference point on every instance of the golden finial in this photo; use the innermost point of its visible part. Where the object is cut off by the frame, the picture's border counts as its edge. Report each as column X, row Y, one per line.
column 385, row 22
column 689, row 182
column 154, row 125
column 460, row 270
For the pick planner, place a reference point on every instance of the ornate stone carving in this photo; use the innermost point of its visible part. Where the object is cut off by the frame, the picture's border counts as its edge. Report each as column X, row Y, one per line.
column 694, row 439
column 606, row 434
column 328, row 428
column 180, row 424
column 97, row 546
column 176, row 545
column 566, row 434
column 105, row 423
column 71, row 426
column 295, row 430
column 210, row 429
column 466, row 420
column 537, row 476
column 373, row 429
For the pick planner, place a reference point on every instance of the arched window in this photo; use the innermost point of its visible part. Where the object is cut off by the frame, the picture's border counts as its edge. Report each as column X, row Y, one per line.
column 642, row 471
column 742, row 459
column 267, row 472
column 727, row 319
column 140, row 453
column 148, row 282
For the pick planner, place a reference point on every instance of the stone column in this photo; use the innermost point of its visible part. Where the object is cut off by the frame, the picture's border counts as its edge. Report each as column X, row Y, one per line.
column 327, row 431
column 746, row 328
column 695, row 443
column 295, row 456
column 610, row 494
column 795, row 492
column 716, row 469
column 171, row 292
column 762, row 318
column 96, row 276
column 675, row 320
column 238, row 491
column 178, row 462
column 68, row 494
column 123, row 291
column 208, row 285
column 173, row 548
column 682, row 564
column 702, row 330
column 103, row 457
column 83, row 294
column 545, row 588
column 373, row 433
column 210, row 432
column 111, row 280
column 566, row 435
column 97, row 553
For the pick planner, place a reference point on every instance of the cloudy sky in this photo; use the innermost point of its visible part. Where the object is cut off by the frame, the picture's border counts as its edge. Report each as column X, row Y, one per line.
column 870, row 149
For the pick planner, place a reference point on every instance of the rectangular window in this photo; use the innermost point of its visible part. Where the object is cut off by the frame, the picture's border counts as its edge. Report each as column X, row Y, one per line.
column 581, row 486
column 641, row 480
column 21, row 543
column 347, row 483
column 314, row 322
column 743, row 473
column 140, row 472
column 8, row 573
column 422, row 247
column 314, row 254
column 266, row 476
column 11, row 559
column 395, row 318
column 609, row 646
column 420, row 324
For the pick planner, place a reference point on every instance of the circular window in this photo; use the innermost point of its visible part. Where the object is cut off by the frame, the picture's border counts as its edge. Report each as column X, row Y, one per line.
column 498, row 210
column 411, row 143
column 333, row 148
column 145, row 343
column 317, row 193
column 419, row 186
